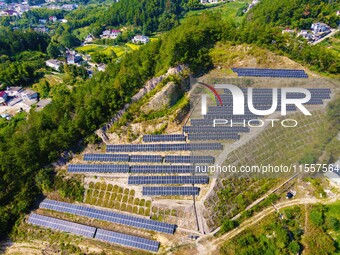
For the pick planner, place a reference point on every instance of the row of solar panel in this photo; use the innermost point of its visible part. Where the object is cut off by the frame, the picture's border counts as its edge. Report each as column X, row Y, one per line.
column 268, row 69
column 148, row 158
column 170, row 191
column 213, row 137
column 210, row 122
column 138, row 180
column 266, row 90
column 261, row 106
column 163, row 147
column 162, row 169
column 273, row 74
column 217, row 129
column 138, row 169
column 262, row 101
column 270, row 72
column 100, row 234
column 104, row 215
column 164, row 138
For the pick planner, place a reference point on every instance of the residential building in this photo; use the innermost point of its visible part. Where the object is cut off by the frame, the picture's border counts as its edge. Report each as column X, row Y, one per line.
column 320, row 28
column 52, row 19
column 101, row 67
column 10, row 13
column 54, row 64
column 110, row 34
column 3, row 96
column 140, row 39
column 305, row 34
column 89, row 38
column 13, row 91
column 287, row 31
column 29, row 94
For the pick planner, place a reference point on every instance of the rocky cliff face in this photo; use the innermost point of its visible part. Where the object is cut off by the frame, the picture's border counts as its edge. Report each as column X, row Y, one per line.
column 150, row 85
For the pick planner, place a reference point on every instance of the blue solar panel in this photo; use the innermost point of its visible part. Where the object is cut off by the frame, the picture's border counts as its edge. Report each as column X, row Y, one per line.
column 163, row 147
column 62, row 225
column 265, row 72
column 213, row 136
column 98, row 168
column 161, row 169
column 138, row 180
column 146, row 158
column 107, row 157
column 170, row 191
column 109, row 216
column 164, row 138
column 217, row 129
column 189, row 159
column 127, row 240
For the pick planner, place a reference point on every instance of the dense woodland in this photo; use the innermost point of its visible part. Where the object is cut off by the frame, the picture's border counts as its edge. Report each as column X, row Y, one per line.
column 29, row 144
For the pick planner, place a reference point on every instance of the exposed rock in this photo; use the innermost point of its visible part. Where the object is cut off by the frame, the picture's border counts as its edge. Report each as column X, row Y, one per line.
column 150, row 85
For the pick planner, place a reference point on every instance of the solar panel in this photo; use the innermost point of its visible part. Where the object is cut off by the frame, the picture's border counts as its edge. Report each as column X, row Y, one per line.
column 161, row 169
column 138, row 180
column 170, row 191
column 213, row 136
column 62, row 225
column 210, row 121
column 164, row 138
column 189, row 159
column 217, row 129
column 127, row 240
column 109, row 216
column 265, row 72
column 163, row 147
column 107, row 157
column 98, row 168
column 146, row 158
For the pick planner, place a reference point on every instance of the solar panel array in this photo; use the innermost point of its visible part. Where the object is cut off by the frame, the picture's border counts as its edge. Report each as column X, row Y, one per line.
column 100, row 234
column 137, row 180
column 213, row 136
column 217, row 129
column 189, row 159
column 146, row 158
column 143, row 169
column 164, row 138
column 266, row 72
column 163, row 147
column 127, row 240
column 170, row 191
column 102, row 168
column 61, row 225
column 107, row 157
column 123, row 219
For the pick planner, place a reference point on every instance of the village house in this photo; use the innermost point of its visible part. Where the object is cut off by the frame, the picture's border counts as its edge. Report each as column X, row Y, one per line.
column 320, row 27
column 52, row 19
column 72, row 58
column 29, row 94
column 110, row 34
column 288, row 31
column 54, row 64
column 140, row 39
column 89, row 38
column 3, row 97
column 10, row 13
column 13, row 91
column 305, row 34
